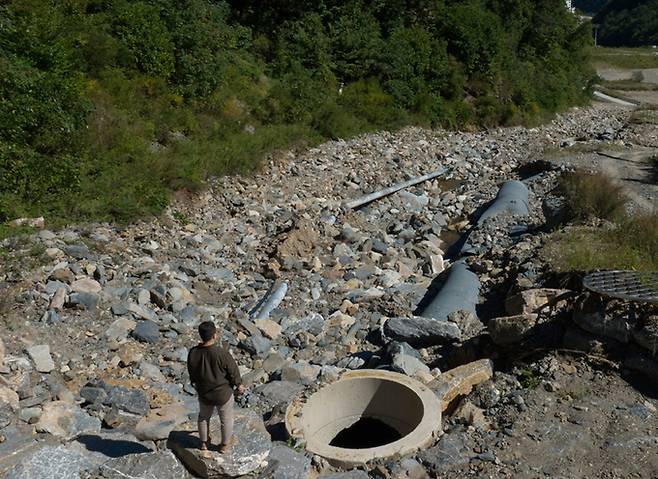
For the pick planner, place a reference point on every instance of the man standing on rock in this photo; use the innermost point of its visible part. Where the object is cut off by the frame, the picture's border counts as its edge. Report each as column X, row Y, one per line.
column 214, row 374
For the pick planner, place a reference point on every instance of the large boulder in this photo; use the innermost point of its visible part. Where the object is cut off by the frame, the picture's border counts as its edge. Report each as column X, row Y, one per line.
column 53, row 462
column 66, row 420
column 160, row 465
column 248, row 455
column 160, row 422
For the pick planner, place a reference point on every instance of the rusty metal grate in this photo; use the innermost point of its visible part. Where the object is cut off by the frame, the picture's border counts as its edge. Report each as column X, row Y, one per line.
column 628, row 285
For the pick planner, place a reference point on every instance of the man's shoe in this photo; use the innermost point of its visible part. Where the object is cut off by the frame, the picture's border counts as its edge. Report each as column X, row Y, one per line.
column 224, row 448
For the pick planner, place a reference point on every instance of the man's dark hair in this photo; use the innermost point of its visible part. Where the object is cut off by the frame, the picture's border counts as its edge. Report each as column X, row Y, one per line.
column 206, row 330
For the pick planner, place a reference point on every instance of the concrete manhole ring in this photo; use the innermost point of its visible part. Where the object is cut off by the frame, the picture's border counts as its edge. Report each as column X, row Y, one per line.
column 397, row 402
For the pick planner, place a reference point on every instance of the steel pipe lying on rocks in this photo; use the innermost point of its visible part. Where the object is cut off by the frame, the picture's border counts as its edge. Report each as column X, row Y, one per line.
column 270, row 301
column 392, row 189
column 460, row 292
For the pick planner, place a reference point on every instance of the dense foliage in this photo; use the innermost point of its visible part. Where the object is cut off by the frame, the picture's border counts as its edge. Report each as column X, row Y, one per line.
column 106, row 106
column 630, row 23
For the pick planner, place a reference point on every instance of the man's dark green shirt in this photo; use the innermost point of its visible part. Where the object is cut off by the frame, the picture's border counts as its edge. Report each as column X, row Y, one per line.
column 213, row 373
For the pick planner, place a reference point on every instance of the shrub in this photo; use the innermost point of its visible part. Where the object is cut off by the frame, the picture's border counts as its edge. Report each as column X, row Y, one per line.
column 592, row 195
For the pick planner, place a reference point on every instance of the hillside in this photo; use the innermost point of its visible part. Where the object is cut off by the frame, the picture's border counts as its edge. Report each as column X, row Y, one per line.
column 107, row 107
column 628, row 23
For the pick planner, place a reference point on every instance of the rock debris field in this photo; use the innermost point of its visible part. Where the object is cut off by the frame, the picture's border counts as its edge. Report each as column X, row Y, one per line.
column 96, row 320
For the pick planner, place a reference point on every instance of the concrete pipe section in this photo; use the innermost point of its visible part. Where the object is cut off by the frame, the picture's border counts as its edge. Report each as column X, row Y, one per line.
column 365, row 415
column 460, row 292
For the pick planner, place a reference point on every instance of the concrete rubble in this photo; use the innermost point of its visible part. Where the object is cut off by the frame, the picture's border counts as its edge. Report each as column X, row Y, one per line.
column 98, row 318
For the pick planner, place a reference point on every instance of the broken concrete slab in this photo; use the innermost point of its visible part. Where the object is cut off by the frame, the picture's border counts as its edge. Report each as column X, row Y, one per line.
column 248, row 455
column 461, row 380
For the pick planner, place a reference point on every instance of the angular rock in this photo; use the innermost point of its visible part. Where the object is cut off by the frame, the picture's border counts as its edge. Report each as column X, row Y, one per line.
column 533, row 301
column 286, row 463
column 509, row 330
column 153, row 465
column 56, row 462
column 9, row 397
column 419, row 331
column 40, row 355
column 268, row 327
column 248, row 455
column 408, row 365
column 450, row 451
column 461, row 380
column 88, row 300
column 256, row 345
column 152, row 372
column 80, row 251
column 66, row 421
column 86, row 285
column 277, row 392
column 301, row 372
column 147, row 331
column 409, row 469
column 58, row 300
column 647, row 335
column 130, row 400
column 590, row 315
column 119, row 329
column 160, row 422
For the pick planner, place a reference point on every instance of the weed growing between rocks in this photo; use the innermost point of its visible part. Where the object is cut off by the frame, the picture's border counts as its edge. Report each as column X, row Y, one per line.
column 592, row 195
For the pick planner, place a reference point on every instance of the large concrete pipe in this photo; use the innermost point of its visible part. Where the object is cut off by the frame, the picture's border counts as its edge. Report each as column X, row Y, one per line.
column 512, row 199
column 460, row 292
column 366, row 415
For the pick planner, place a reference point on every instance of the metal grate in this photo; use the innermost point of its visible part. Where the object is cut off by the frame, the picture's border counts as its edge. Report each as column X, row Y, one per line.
column 628, row 285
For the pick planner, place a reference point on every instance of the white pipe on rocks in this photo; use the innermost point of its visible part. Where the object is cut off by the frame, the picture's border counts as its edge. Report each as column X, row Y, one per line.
column 353, row 204
column 270, row 301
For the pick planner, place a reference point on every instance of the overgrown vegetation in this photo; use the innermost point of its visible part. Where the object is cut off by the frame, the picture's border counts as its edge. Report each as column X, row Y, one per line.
column 592, row 196
column 106, row 106
column 604, row 235
column 628, row 23
column 626, row 58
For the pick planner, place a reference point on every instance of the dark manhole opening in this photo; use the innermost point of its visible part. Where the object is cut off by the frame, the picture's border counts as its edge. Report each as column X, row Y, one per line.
column 367, row 432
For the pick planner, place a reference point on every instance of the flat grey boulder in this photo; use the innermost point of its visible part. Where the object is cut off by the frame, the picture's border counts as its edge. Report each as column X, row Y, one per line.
column 419, row 331
column 153, row 465
column 52, row 462
column 248, row 455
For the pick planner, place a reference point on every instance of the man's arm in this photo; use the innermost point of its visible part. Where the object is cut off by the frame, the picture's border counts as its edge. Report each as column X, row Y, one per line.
column 232, row 371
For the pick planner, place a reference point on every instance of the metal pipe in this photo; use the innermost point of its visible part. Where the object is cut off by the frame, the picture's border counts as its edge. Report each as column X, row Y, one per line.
column 270, row 301
column 353, row 204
